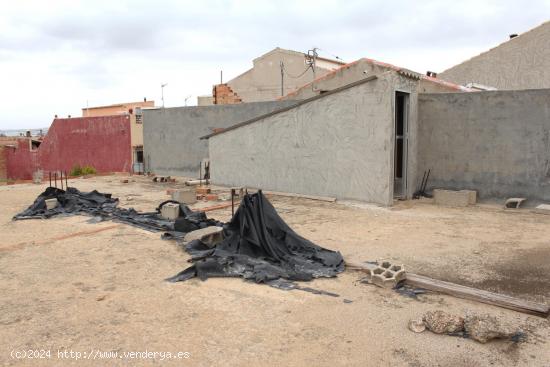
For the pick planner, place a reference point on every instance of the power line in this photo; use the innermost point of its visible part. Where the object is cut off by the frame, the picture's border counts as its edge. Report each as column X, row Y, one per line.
column 296, row 77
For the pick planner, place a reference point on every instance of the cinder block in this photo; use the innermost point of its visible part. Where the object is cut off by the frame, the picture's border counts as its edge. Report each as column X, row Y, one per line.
column 451, row 197
column 472, row 196
column 51, row 203
column 170, row 211
column 386, row 274
column 185, row 196
column 210, row 236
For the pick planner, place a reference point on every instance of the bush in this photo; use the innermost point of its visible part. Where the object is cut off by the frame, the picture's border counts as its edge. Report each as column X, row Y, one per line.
column 76, row 170
column 88, row 170
column 80, row 171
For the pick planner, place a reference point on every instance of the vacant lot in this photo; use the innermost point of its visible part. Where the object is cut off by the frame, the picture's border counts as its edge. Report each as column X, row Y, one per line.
column 71, row 285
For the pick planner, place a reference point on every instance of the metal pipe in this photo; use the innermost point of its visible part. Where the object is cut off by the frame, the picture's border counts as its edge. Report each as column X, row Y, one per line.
column 232, row 202
column 61, row 179
column 55, row 178
column 200, row 173
column 426, row 183
column 50, row 178
column 66, row 182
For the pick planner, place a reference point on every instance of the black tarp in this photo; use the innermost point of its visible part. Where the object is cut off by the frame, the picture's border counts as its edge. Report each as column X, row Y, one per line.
column 258, row 245
column 103, row 206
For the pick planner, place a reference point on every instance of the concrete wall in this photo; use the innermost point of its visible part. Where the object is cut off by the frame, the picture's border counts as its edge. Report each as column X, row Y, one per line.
column 495, row 142
column 520, row 63
column 338, row 145
column 171, row 135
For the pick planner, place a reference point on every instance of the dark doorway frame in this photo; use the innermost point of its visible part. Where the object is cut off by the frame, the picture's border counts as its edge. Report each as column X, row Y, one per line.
column 400, row 144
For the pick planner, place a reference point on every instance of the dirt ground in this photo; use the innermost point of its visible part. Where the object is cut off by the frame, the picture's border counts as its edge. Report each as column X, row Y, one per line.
column 68, row 285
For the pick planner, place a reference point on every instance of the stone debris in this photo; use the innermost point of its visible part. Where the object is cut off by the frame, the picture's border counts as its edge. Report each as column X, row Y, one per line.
column 417, row 325
column 483, row 328
column 441, row 322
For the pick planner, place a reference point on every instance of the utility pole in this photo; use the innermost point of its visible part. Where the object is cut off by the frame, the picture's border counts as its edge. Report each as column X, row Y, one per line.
column 221, row 76
column 282, row 65
column 162, row 92
column 311, row 61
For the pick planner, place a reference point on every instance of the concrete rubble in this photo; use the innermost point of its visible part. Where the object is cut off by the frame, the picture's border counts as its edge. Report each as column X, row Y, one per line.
column 481, row 328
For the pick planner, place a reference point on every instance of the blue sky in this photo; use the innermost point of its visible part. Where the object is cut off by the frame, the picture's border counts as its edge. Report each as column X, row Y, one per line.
column 56, row 56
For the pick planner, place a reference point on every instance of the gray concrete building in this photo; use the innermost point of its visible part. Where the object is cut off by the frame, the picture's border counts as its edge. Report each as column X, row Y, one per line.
column 264, row 81
column 171, row 135
column 373, row 139
column 522, row 62
column 354, row 142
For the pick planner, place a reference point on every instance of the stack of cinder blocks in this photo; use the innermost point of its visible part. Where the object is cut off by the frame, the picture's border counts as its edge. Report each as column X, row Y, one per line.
column 455, row 198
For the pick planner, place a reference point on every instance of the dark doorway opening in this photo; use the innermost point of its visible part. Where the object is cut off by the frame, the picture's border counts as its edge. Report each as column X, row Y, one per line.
column 401, row 141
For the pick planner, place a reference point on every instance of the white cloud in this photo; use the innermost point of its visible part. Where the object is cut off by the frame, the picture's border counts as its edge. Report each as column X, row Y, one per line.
column 56, row 55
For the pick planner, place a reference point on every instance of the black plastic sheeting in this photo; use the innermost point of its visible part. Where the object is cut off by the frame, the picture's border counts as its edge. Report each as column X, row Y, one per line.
column 259, row 246
column 71, row 201
column 104, row 207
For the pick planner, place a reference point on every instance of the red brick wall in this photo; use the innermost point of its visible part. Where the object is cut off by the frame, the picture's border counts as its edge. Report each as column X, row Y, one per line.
column 223, row 94
column 3, row 164
column 101, row 142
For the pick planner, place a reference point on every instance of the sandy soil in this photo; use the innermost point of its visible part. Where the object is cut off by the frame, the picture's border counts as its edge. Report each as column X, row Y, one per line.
column 70, row 285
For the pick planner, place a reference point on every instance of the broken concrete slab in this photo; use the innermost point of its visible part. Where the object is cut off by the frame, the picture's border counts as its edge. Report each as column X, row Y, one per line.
column 210, row 236
column 514, row 202
column 188, row 196
column 452, row 198
column 170, row 211
column 542, row 209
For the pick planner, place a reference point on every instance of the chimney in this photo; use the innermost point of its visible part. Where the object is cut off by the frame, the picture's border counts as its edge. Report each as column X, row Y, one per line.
column 513, row 35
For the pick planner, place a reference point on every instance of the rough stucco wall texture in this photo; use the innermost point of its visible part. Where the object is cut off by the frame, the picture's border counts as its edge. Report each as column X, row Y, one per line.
column 172, row 144
column 495, row 142
column 521, row 63
column 339, row 145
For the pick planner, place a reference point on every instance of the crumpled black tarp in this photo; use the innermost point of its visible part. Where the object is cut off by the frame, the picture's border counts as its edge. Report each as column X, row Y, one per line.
column 96, row 204
column 71, row 201
column 258, row 245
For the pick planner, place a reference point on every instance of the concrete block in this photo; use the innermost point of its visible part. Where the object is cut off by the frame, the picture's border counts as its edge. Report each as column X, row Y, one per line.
column 542, row 209
column 210, row 236
column 386, row 274
column 170, row 211
column 51, row 203
column 451, row 197
column 514, row 202
column 187, row 196
column 472, row 196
